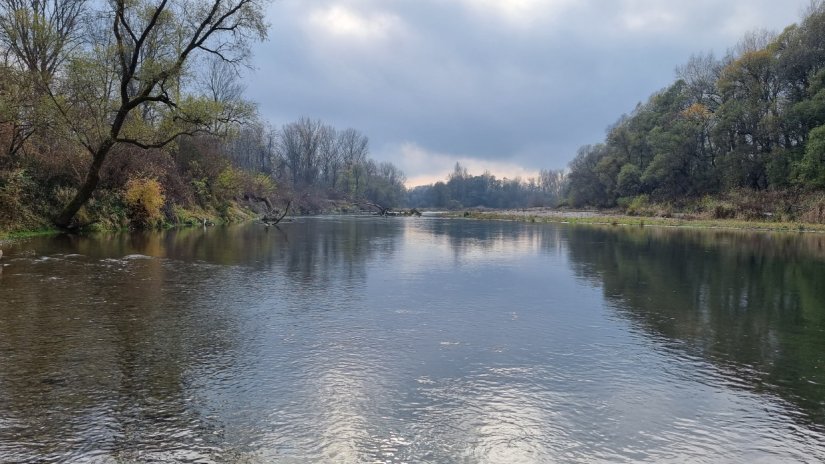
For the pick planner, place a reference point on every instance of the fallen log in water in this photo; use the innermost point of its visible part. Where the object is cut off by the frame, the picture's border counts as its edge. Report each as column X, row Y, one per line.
column 272, row 218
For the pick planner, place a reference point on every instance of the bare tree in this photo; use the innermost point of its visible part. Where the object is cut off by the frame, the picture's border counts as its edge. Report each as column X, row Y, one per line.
column 700, row 74
column 753, row 41
column 552, row 183
column 153, row 42
column 221, row 81
column 299, row 146
column 253, row 148
column 354, row 151
column 223, row 88
column 309, row 133
column 40, row 33
column 392, row 173
column 330, row 156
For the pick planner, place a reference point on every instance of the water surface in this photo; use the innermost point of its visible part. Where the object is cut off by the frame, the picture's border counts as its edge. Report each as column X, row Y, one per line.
column 348, row 339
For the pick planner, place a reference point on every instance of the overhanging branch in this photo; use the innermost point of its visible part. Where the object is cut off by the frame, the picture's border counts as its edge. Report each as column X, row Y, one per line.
column 160, row 143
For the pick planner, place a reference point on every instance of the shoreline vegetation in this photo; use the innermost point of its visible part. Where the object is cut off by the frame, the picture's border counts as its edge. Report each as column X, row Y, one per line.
column 540, row 215
column 618, row 218
column 785, row 211
column 232, row 212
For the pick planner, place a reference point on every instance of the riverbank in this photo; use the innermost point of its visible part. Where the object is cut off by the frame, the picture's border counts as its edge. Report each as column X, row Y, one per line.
column 180, row 217
column 549, row 215
column 190, row 218
column 233, row 212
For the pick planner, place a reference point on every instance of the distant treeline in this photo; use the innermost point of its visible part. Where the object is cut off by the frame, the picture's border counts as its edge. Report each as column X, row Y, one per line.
column 750, row 120
column 463, row 190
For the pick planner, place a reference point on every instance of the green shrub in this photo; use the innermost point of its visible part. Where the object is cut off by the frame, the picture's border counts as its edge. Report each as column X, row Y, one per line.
column 624, row 202
column 229, row 183
column 203, row 193
column 640, row 204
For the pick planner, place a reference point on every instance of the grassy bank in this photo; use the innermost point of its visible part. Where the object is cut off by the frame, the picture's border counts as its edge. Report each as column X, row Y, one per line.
column 780, row 210
column 617, row 219
column 26, row 234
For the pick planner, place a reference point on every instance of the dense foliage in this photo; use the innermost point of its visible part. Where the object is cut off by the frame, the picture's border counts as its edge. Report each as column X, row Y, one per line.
column 753, row 120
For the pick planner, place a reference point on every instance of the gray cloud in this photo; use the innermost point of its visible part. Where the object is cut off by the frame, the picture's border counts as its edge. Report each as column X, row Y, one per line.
column 497, row 83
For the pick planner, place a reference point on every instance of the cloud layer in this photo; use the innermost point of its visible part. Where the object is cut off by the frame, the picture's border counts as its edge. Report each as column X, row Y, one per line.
column 506, row 85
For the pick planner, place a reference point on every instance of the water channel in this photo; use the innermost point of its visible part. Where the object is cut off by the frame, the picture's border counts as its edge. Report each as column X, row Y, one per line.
column 361, row 339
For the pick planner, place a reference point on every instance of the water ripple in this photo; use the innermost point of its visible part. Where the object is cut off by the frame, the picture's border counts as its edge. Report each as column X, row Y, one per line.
column 380, row 341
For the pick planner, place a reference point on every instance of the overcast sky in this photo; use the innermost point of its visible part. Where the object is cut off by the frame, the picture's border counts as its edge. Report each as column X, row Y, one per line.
column 512, row 86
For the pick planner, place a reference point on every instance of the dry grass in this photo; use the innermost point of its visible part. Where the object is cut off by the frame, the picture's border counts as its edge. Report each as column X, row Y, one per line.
column 678, row 220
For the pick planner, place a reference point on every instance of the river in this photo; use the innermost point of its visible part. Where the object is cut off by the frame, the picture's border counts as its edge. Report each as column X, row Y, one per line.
column 362, row 339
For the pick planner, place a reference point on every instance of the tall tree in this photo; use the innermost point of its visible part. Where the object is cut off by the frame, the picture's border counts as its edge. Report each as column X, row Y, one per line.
column 298, row 147
column 152, row 42
column 40, row 33
column 330, row 154
column 224, row 90
column 354, row 151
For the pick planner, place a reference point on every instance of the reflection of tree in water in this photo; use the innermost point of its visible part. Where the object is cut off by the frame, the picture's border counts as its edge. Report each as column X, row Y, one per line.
column 104, row 340
column 246, row 245
column 752, row 304
column 325, row 252
column 100, row 354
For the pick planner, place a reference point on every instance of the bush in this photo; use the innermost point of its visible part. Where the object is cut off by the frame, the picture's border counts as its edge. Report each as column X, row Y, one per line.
column 813, row 209
column 624, row 202
column 640, row 205
column 144, row 199
column 14, row 197
column 228, row 184
column 202, row 192
column 261, row 185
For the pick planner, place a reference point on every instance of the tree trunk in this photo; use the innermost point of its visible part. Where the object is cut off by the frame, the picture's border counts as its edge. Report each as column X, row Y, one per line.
column 65, row 218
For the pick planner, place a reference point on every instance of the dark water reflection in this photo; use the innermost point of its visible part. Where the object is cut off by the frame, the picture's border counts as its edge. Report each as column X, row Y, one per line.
column 753, row 304
column 414, row 340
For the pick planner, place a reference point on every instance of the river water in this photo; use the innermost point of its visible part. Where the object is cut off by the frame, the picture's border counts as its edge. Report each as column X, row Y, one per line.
column 357, row 339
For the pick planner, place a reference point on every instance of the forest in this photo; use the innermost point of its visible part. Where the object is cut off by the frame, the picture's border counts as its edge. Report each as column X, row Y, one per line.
column 739, row 135
column 132, row 114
